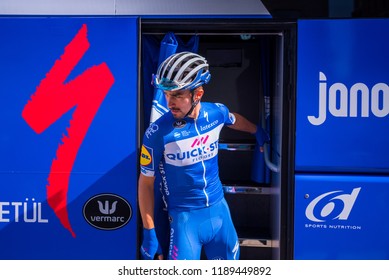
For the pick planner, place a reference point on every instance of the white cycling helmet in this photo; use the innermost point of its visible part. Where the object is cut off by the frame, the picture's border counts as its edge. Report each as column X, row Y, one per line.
column 185, row 70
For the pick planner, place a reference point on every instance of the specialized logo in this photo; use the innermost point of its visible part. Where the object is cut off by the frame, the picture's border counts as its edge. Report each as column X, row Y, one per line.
column 179, row 123
column 206, row 116
column 341, row 102
column 54, row 97
column 107, row 211
column 335, row 205
column 146, row 156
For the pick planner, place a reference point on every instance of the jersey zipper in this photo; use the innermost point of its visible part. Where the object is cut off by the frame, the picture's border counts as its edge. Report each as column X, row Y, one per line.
column 203, row 164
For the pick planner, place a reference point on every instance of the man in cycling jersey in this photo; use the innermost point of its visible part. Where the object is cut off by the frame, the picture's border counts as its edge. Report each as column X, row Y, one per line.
column 183, row 146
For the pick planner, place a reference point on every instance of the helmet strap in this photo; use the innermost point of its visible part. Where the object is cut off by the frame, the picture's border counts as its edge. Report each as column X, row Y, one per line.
column 194, row 104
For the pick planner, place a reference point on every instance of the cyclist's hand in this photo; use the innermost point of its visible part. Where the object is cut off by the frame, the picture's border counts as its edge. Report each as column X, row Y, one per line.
column 261, row 136
column 150, row 245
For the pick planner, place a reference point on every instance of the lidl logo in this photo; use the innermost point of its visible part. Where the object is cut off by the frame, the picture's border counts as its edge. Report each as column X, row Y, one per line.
column 146, row 156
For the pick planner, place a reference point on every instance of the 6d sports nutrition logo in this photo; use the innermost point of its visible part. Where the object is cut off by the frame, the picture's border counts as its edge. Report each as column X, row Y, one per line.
column 107, row 211
column 330, row 207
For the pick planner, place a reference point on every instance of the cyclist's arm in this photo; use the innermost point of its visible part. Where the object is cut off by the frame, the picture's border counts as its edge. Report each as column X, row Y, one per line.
column 243, row 124
column 146, row 200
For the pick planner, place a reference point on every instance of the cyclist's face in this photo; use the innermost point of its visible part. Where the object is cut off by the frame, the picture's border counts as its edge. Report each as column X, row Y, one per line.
column 179, row 102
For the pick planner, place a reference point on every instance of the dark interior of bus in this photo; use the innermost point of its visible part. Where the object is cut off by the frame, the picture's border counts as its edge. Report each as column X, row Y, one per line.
column 248, row 69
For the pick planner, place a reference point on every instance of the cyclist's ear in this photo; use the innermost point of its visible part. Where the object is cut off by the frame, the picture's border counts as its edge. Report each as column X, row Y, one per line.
column 198, row 93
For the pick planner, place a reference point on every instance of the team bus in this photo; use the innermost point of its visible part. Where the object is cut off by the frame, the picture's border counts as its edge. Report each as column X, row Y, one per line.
column 76, row 98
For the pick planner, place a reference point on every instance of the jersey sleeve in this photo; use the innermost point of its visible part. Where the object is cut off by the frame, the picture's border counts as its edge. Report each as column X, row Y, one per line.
column 229, row 118
column 151, row 151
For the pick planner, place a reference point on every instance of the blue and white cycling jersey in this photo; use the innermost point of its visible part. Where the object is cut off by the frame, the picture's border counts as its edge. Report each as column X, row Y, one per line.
column 188, row 149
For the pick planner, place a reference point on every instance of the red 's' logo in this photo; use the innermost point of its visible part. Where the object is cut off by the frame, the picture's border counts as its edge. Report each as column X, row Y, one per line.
column 52, row 99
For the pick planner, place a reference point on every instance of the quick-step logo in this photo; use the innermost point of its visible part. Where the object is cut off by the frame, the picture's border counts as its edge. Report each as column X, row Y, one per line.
column 340, row 102
column 330, row 207
column 200, row 141
column 192, row 150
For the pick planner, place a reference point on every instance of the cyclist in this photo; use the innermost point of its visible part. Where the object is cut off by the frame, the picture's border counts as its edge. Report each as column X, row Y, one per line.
column 185, row 141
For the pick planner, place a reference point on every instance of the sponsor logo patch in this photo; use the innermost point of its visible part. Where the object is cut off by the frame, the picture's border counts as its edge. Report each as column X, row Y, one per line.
column 331, row 210
column 146, row 156
column 179, row 123
column 193, row 150
column 107, row 211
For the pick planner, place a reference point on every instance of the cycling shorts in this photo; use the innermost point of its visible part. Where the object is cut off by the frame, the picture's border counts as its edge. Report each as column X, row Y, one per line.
column 210, row 228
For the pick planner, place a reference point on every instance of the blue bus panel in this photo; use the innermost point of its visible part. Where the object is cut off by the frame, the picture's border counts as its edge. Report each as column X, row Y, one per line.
column 68, row 140
column 342, row 96
column 341, row 217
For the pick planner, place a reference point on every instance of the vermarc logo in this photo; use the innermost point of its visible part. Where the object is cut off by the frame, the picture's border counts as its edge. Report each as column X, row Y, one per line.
column 107, row 211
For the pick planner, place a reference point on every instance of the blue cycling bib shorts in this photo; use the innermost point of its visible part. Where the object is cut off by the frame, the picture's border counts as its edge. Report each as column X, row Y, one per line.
column 210, row 228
